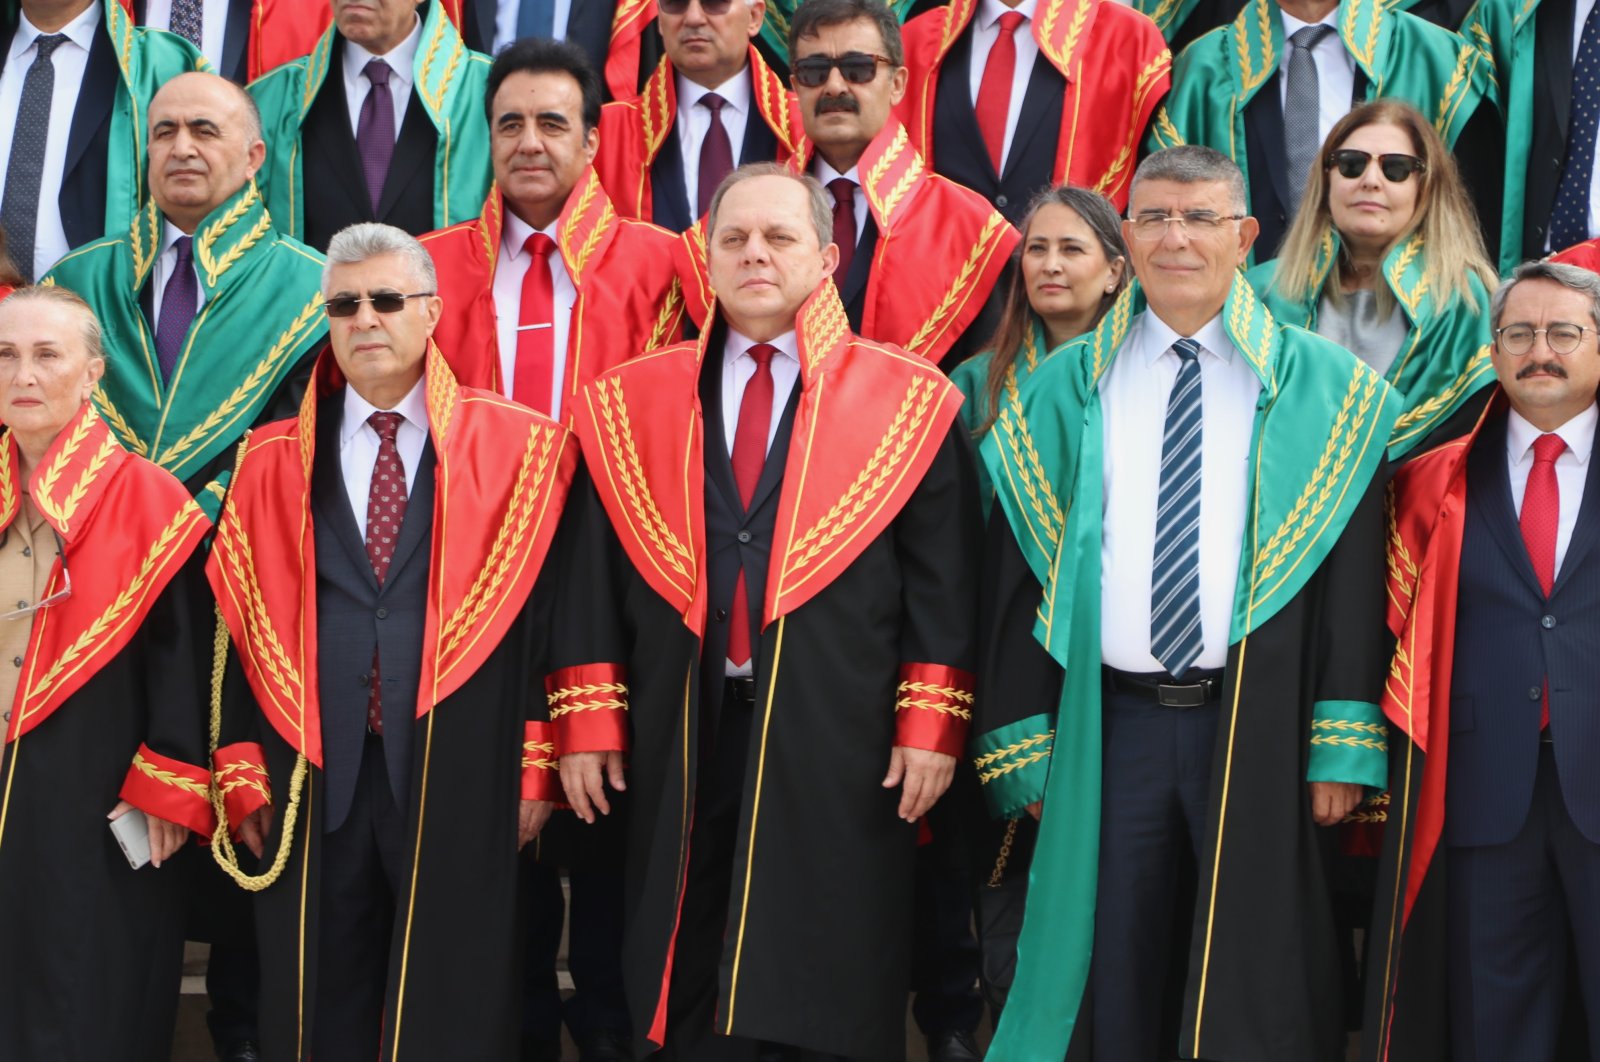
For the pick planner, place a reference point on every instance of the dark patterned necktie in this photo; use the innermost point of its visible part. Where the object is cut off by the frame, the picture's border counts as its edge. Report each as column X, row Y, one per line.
column 375, row 129
column 188, row 20
column 1302, row 108
column 386, row 511
column 716, row 153
column 844, row 224
column 179, row 302
column 1569, row 219
column 1175, row 635
column 24, row 173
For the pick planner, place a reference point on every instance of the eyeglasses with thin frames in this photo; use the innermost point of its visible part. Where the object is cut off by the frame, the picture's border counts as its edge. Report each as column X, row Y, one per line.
column 1195, row 222
column 55, row 598
column 1562, row 338
column 383, row 302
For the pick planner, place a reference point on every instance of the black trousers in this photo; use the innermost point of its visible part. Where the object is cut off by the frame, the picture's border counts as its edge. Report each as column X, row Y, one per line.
column 1516, row 913
column 363, row 866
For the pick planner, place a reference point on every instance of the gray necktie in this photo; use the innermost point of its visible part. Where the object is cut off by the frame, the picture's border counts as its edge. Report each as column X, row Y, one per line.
column 19, row 209
column 187, row 20
column 1301, row 109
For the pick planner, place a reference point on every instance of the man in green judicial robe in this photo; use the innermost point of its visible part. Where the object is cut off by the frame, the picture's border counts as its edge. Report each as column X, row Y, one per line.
column 213, row 312
column 1183, row 586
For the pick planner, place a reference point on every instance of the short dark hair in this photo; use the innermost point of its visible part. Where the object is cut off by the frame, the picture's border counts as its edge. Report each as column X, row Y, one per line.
column 540, row 55
column 815, row 15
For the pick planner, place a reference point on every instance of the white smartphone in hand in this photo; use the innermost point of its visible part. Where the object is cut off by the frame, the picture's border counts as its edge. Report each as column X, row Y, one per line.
column 132, row 832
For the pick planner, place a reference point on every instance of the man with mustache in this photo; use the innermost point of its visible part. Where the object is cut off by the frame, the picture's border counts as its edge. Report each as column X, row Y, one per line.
column 1493, row 840
column 543, row 292
column 711, row 104
column 381, row 121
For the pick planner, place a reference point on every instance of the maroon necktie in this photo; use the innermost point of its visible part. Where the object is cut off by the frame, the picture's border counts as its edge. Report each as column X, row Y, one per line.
column 178, row 304
column 375, row 129
column 1541, row 514
column 536, row 330
column 716, row 153
column 386, row 511
column 749, row 457
column 844, row 224
column 994, row 90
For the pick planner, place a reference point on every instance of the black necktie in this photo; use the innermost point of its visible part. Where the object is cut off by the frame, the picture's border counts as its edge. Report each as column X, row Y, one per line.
column 19, row 212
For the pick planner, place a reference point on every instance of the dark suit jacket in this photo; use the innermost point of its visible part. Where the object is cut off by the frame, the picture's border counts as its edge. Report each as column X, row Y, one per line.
column 1509, row 637
column 588, row 26
column 235, row 38
column 355, row 617
column 958, row 149
column 1552, row 112
column 331, row 166
column 670, row 208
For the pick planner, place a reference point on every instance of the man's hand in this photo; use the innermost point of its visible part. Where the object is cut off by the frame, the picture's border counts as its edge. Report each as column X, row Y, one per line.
column 254, row 829
column 165, row 837
column 583, row 776
column 531, row 817
column 926, row 775
column 1332, row 801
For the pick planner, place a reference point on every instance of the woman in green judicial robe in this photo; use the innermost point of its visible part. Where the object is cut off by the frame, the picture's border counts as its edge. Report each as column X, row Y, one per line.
column 1385, row 258
column 101, row 685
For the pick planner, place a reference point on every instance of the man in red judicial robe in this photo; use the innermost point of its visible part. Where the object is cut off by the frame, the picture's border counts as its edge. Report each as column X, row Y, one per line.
column 378, row 565
column 1486, row 894
column 770, row 611
column 919, row 255
column 548, row 288
column 1010, row 97
column 711, row 104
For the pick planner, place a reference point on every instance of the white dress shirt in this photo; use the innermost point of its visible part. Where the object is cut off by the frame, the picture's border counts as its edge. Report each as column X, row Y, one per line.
column 694, row 121
column 509, row 270
column 358, row 445
column 166, row 266
column 826, row 174
column 1133, row 397
column 1336, row 71
column 985, row 31
column 213, row 25
column 70, row 60
column 401, row 59
column 1572, row 468
column 505, row 21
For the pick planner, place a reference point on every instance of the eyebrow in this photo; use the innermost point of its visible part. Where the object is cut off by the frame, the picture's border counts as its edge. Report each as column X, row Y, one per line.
column 541, row 116
column 192, row 123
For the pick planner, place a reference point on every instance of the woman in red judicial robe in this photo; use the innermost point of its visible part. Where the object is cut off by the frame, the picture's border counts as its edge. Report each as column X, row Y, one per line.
column 101, row 684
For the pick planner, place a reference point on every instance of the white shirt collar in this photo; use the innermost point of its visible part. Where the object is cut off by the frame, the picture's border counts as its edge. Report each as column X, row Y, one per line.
column 1292, row 25
column 1577, row 433
column 413, row 407
column 826, row 174
column 79, row 31
column 1159, row 337
column 401, row 58
column 735, row 91
column 514, row 233
column 989, row 11
column 788, row 345
column 169, row 235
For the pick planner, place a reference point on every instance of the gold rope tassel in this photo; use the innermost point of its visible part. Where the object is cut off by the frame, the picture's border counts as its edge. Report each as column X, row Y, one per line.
column 998, row 875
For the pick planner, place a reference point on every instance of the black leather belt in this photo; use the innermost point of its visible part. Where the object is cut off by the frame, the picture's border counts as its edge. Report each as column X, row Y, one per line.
column 741, row 690
column 1201, row 687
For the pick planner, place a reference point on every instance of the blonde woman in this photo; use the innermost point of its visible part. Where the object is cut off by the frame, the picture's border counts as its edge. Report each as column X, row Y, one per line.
column 1386, row 259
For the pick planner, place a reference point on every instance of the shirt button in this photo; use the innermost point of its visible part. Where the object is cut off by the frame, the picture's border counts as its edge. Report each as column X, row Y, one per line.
column 27, row 551
column 383, row 613
column 1547, row 622
column 743, row 536
column 16, row 661
column 364, row 679
column 722, row 614
column 8, row 717
column 1001, row 201
column 1535, row 693
column 22, row 604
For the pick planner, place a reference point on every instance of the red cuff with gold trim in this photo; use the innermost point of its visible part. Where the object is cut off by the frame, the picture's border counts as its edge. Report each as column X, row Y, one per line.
column 588, row 706
column 170, row 789
column 541, row 771
column 933, row 708
column 240, row 772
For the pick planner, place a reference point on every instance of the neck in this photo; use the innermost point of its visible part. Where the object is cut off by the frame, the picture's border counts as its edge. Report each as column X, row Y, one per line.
column 761, row 331
column 1548, row 418
column 381, row 48
column 388, row 393
column 54, row 17
column 31, row 448
column 711, row 79
column 843, row 160
column 1310, row 11
column 537, row 215
column 1185, row 322
column 1361, row 266
column 185, row 221
column 1058, row 330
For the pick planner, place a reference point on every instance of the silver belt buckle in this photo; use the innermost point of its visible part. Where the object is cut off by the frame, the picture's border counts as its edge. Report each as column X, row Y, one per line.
column 1191, row 695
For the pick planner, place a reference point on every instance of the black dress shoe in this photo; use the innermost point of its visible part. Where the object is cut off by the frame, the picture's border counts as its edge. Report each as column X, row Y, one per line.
column 953, row 1047
column 605, row 1047
column 243, row 1051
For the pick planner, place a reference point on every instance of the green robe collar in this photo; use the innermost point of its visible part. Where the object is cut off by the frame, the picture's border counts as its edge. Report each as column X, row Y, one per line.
column 239, row 348
column 1445, row 358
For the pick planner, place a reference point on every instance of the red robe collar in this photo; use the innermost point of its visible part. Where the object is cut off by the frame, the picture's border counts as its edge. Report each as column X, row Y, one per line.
column 128, row 527
column 628, row 23
column 870, row 420
column 490, row 536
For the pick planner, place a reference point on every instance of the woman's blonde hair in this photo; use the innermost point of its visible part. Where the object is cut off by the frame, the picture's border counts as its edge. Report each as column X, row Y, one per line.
column 93, row 337
column 1445, row 215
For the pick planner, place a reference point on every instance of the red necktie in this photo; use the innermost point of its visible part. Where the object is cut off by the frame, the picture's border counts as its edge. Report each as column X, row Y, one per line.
column 994, row 91
column 386, row 511
column 1541, row 513
column 749, row 457
column 716, row 153
column 844, row 224
column 536, row 329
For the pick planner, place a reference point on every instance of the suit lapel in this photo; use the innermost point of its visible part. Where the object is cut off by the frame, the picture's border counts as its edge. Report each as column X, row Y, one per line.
column 777, row 453
column 667, row 189
column 1035, row 102
column 419, row 511
column 100, row 88
column 1553, row 32
column 860, row 267
column 1585, row 531
column 719, row 466
column 1489, row 491
column 329, row 500
column 589, row 27
column 1263, row 117
column 236, row 41
column 967, row 134
column 332, row 114
column 413, row 150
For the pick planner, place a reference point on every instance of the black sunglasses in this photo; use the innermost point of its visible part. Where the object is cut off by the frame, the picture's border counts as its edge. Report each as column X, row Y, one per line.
column 1396, row 169
column 678, row 7
column 858, row 68
column 383, row 302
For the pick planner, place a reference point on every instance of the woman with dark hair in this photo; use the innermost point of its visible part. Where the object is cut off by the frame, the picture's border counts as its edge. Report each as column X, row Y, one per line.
column 1071, row 265
column 1386, row 259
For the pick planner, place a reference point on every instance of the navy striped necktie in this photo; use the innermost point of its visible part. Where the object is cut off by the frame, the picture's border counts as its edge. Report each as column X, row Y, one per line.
column 1175, row 636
